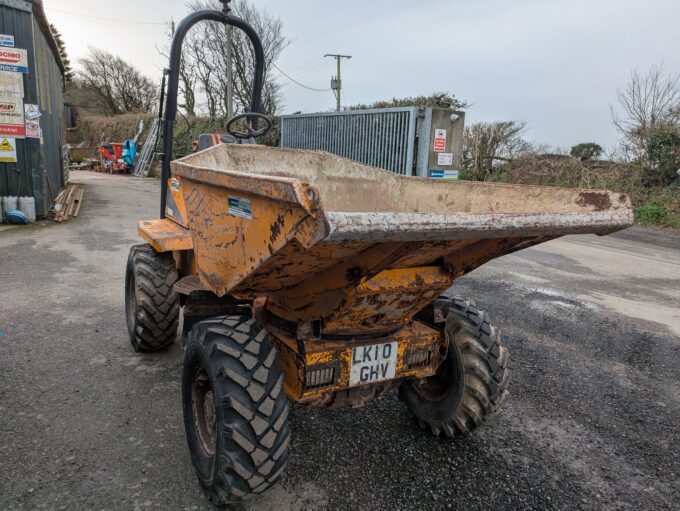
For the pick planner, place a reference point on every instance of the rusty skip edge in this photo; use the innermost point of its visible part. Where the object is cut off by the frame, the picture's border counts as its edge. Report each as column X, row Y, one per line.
column 340, row 227
column 347, row 227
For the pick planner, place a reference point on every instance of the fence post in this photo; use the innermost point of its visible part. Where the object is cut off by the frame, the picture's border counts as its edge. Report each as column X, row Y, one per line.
column 424, row 140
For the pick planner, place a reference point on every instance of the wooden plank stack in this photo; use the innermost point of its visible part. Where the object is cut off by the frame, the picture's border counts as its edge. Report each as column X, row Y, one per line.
column 68, row 202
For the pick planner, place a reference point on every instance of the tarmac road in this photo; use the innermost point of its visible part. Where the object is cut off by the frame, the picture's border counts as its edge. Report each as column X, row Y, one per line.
column 593, row 422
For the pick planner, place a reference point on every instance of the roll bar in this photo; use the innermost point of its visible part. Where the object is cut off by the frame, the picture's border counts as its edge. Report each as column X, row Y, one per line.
column 170, row 113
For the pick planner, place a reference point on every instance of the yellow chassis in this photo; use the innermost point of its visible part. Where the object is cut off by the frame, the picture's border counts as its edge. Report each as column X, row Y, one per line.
column 349, row 313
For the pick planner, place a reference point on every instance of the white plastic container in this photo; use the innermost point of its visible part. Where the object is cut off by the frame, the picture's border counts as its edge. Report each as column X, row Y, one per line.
column 9, row 204
column 27, row 207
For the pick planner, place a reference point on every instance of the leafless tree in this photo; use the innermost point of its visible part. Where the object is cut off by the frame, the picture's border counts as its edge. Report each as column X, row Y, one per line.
column 647, row 101
column 188, row 78
column 487, row 143
column 204, row 72
column 119, row 86
column 191, row 71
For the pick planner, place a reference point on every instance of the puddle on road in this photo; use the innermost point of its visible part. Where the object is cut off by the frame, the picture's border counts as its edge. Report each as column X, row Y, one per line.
column 548, row 300
column 668, row 317
column 528, row 278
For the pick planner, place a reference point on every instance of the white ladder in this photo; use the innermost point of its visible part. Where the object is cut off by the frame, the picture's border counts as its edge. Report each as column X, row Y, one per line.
column 148, row 151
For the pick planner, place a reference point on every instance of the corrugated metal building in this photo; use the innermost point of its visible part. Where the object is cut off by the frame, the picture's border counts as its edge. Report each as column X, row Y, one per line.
column 38, row 159
column 415, row 141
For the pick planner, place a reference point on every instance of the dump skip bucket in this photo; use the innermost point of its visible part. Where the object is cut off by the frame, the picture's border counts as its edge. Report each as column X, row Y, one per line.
column 263, row 219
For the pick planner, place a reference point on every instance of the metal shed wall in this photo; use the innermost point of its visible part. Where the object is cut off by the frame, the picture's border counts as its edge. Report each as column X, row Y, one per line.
column 50, row 91
column 43, row 85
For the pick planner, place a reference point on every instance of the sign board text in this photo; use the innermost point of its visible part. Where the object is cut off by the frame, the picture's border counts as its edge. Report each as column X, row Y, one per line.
column 14, row 60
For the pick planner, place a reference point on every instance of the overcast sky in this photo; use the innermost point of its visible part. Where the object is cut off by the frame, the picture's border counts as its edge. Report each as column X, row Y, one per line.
column 555, row 64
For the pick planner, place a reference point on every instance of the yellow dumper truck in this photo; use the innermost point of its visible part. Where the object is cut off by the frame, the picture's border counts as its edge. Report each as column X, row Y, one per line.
column 308, row 278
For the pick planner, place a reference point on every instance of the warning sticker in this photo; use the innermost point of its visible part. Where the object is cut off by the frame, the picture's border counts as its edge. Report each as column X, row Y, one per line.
column 33, row 129
column 8, row 150
column 240, row 207
column 32, row 111
column 439, row 140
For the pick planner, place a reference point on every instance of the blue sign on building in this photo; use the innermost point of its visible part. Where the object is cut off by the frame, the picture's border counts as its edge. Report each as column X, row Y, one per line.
column 7, row 40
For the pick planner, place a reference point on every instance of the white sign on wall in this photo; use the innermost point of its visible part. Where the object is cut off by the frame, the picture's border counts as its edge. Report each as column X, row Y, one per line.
column 14, row 60
column 445, row 159
column 11, row 84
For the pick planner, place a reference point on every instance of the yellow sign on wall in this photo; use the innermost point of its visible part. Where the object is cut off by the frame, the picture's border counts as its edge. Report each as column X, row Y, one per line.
column 8, row 150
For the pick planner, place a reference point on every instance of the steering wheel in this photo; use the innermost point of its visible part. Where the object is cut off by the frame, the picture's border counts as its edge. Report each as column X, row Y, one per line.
column 250, row 133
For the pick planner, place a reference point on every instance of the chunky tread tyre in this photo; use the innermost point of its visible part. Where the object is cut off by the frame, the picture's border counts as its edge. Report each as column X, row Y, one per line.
column 250, row 408
column 478, row 374
column 151, row 304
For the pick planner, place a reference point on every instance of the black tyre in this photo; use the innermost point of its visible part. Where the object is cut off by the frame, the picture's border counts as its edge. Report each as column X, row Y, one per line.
column 471, row 383
column 235, row 408
column 151, row 303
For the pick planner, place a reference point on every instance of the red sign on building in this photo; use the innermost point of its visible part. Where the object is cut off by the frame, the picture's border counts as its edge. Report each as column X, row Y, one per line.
column 439, row 140
column 12, row 130
column 12, row 116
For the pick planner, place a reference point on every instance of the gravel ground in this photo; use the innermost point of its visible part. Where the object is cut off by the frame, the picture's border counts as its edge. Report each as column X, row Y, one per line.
column 592, row 325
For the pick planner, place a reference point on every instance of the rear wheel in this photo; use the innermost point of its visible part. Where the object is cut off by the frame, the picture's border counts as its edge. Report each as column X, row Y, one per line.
column 151, row 303
column 471, row 384
column 235, row 409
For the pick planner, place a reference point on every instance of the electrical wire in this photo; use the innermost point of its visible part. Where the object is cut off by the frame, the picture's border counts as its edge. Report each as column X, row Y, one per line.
column 308, row 65
column 116, row 20
column 298, row 83
column 312, row 71
column 312, row 66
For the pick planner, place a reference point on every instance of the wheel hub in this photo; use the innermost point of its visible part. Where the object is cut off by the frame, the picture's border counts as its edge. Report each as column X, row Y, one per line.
column 436, row 387
column 203, row 405
column 131, row 304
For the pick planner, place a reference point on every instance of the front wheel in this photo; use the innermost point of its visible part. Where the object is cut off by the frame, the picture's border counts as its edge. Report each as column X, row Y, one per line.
column 471, row 384
column 151, row 303
column 235, row 409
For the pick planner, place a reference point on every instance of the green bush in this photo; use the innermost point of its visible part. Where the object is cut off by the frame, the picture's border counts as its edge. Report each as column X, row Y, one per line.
column 650, row 213
column 587, row 151
column 500, row 177
column 466, row 175
column 663, row 155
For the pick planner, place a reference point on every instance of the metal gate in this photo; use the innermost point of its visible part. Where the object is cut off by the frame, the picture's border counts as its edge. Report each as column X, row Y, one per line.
column 384, row 138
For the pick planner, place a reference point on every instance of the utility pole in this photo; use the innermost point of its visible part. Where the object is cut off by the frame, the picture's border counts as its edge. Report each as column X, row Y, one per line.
column 226, row 9
column 336, row 84
column 230, row 78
